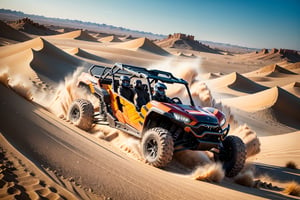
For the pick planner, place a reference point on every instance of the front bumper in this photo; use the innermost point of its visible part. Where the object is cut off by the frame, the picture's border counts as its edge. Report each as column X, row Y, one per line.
column 207, row 136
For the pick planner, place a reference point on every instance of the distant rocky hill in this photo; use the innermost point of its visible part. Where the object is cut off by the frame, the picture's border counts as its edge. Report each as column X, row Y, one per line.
column 287, row 54
column 183, row 41
column 29, row 26
column 8, row 32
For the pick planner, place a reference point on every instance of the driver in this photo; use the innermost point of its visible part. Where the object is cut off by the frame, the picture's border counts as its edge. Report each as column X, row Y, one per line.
column 160, row 94
column 125, row 89
column 141, row 95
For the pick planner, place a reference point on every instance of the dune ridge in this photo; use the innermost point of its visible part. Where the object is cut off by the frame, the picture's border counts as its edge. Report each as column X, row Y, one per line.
column 274, row 104
column 11, row 50
column 37, row 58
column 143, row 44
column 273, row 70
column 47, row 60
column 237, row 82
column 78, row 35
column 295, row 67
column 293, row 88
column 84, row 54
column 111, row 38
column 127, row 37
column 16, row 58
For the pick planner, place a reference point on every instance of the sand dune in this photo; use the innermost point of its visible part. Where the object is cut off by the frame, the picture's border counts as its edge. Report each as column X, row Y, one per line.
column 237, row 82
column 7, row 31
column 279, row 74
column 142, row 44
column 279, row 153
column 111, row 38
column 65, row 30
column 13, row 50
column 84, row 54
column 127, row 37
column 274, row 103
column 48, row 61
column 273, row 70
column 16, row 58
column 78, row 35
column 293, row 88
column 101, row 35
column 295, row 67
column 38, row 57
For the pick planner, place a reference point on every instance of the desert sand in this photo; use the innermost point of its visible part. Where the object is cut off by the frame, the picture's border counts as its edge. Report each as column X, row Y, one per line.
column 44, row 156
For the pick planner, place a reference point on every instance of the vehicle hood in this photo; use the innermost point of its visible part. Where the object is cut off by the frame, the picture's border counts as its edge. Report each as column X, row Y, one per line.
column 196, row 113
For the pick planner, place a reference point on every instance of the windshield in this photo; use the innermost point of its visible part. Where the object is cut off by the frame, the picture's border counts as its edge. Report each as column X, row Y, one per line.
column 174, row 90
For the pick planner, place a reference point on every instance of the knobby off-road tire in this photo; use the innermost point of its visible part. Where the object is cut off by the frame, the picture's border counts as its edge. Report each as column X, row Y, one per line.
column 81, row 114
column 157, row 147
column 233, row 155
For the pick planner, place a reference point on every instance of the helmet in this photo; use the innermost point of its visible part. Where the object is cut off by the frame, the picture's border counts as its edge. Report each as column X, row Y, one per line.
column 160, row 88
column 138, row 84
column 125, row 81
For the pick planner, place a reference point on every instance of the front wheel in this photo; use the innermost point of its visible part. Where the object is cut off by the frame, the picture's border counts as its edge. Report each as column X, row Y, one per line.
column 157, row 147
column 81, row 114
column 233, row 155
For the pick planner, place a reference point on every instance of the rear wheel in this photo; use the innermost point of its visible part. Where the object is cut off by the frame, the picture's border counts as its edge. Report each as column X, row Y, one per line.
column 81, row 114
column 233, row 155
column 157, row 147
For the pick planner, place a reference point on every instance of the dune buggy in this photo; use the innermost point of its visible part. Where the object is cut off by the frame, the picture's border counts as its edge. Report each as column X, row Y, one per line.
column 163, row 128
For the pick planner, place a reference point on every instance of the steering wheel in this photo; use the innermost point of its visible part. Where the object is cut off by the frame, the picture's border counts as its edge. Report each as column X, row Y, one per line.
column 176, row 100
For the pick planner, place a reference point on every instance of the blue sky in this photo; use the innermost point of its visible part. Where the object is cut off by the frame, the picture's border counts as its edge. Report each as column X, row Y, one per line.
column 251, row 23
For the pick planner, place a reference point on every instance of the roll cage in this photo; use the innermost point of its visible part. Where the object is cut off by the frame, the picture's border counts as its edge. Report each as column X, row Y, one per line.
column 112, row 75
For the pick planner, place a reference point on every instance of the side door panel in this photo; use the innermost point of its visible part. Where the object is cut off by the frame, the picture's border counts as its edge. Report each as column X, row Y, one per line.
column 131, row 115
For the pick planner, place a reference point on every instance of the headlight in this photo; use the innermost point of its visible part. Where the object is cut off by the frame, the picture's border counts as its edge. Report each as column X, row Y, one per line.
column 182, row 118
column 222, row 122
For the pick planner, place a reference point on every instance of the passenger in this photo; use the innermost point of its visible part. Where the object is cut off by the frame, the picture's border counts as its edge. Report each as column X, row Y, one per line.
column 160, row 94
column 141, row 95
column 124, row 90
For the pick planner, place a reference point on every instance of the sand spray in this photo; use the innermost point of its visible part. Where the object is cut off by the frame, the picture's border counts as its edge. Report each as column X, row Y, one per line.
column 206, row 169
column 57, row 99
column 18, row 82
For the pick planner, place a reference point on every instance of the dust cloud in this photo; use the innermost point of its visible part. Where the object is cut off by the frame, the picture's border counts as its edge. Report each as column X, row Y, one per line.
column 212, row 172
column 191, row 71
column 57, row 100
column 19, row 83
